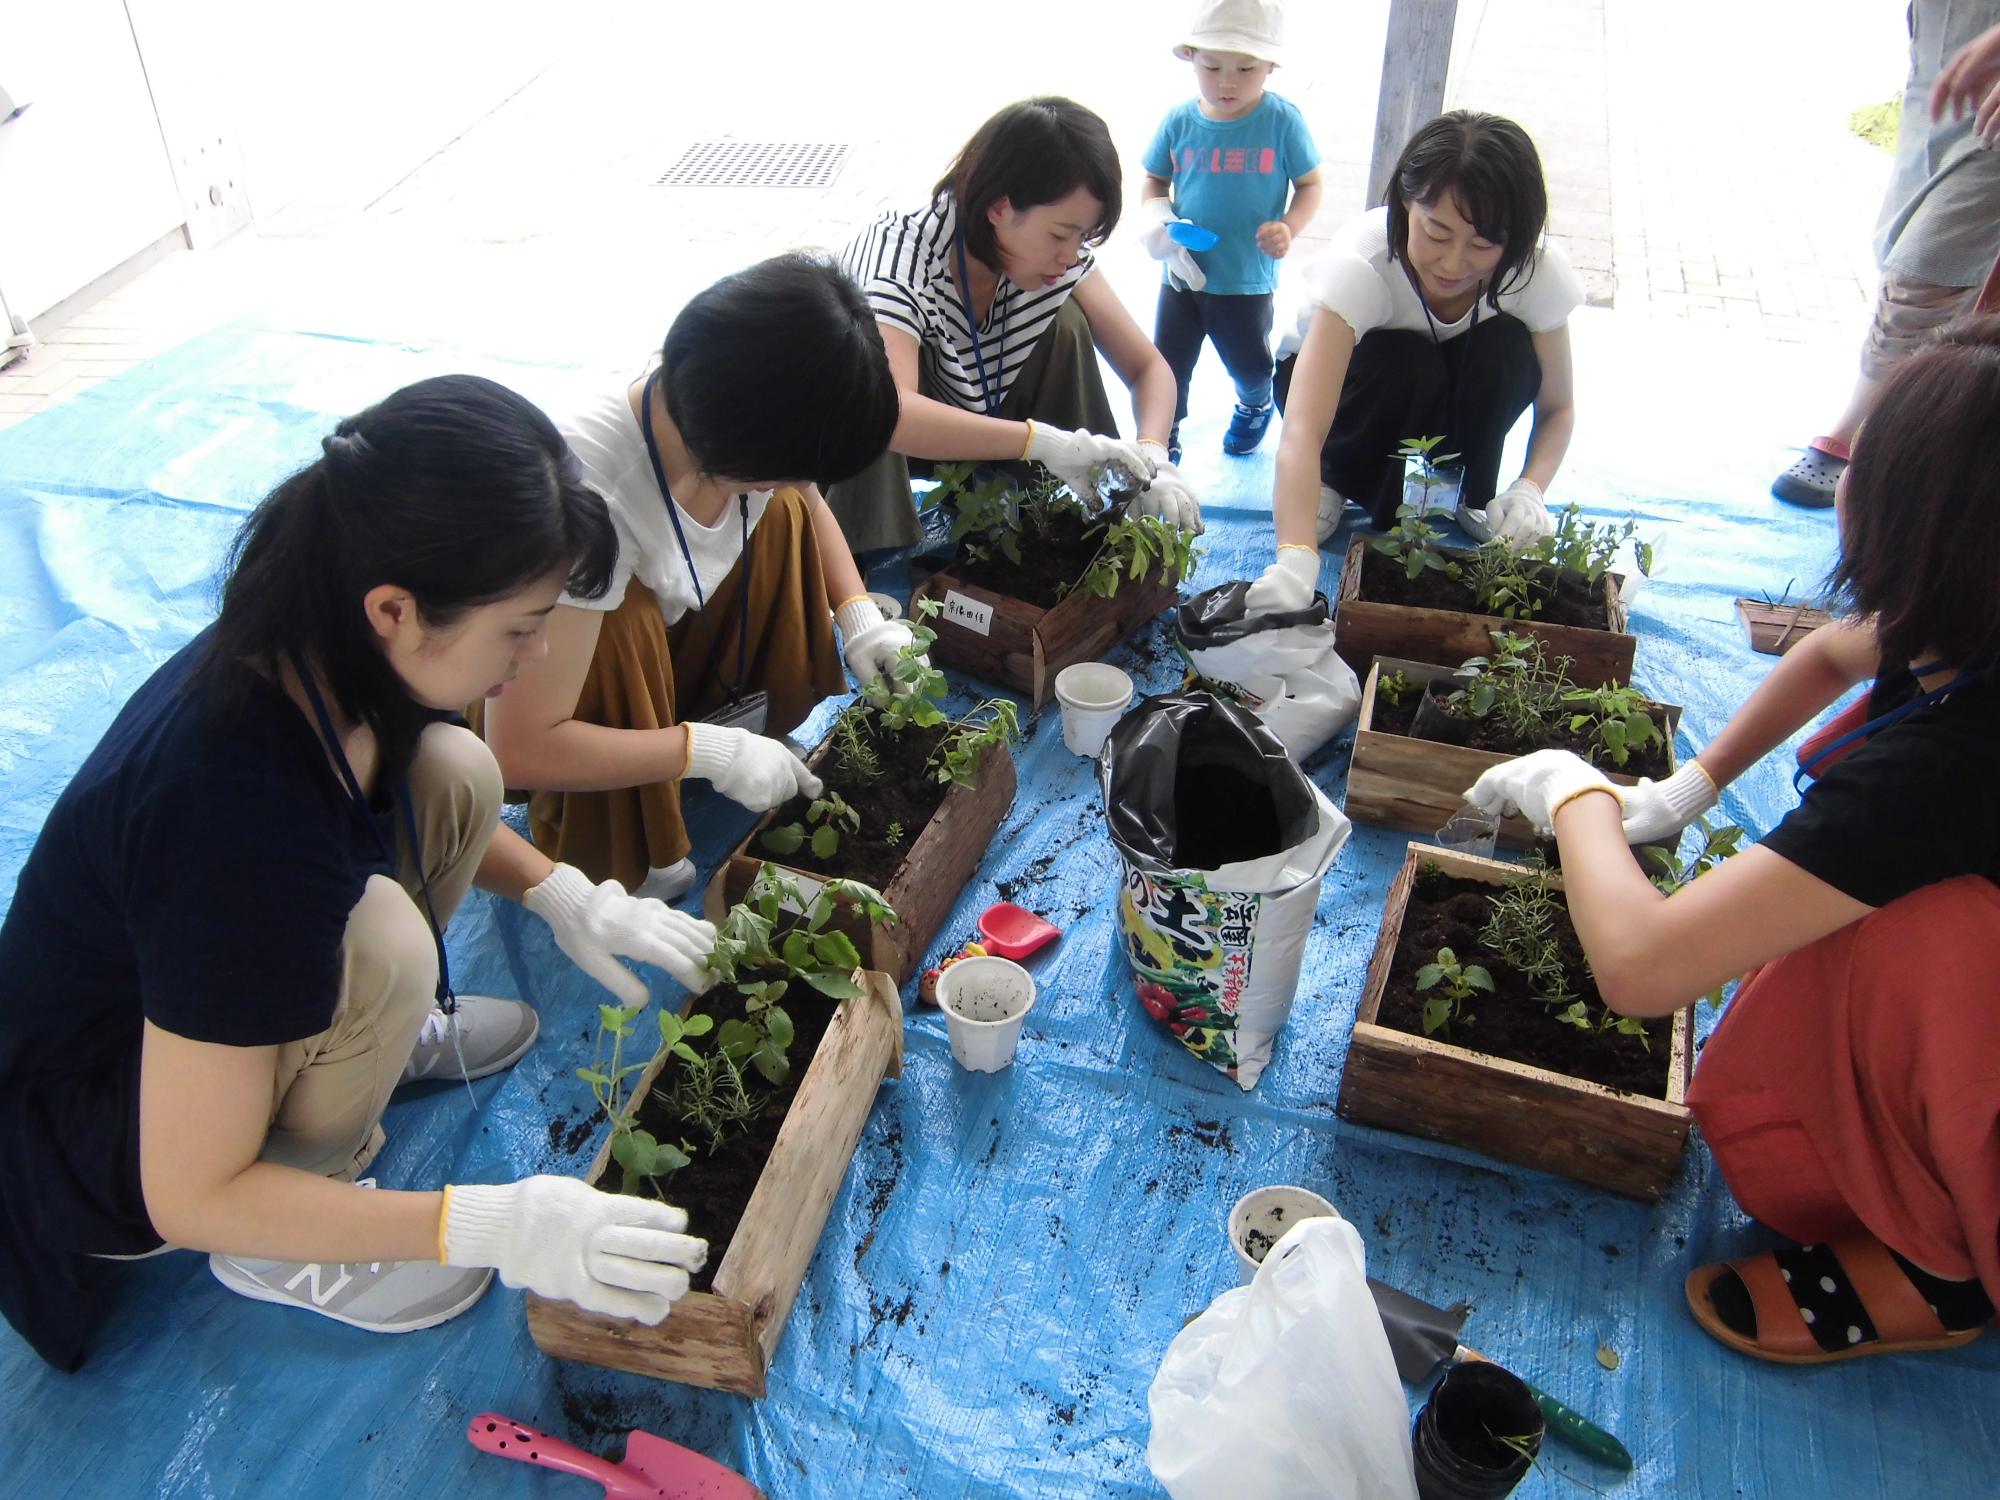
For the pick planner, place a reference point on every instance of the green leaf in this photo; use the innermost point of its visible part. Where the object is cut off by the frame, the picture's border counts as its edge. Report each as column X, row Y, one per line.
column 1436, row 1014
column 831, row 982
column 591, row 1075
column 1477, row 977
column 784, row 838
column 697, row 1025
column 737, row 1039
column 826, row 841
column 797, row 950
column 836, row 950
column 773, row 1064
column 667, row 1158
column 779, row 1026
column 1428, row 976
column 684, row 1052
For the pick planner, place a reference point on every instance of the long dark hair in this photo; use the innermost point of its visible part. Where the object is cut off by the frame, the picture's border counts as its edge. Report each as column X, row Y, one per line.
column 1490, row 166
column 454, row 488
column 778, row 372
column 1032, row 153
column 1920, row 512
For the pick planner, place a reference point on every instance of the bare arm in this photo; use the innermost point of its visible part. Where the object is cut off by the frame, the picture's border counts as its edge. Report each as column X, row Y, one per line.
column 1806, row 679
column 836, row 563
column 512, row 866
column 1555, row 408
column 539, row 745
column 1154, row 187
column 204, row 1110
column 1142, row 367
column 1315, row 395
column 1307, row 192
column 937, row 429
column 1653, row 954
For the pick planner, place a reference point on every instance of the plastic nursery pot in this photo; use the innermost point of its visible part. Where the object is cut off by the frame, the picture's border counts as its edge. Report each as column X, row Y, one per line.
column 1457, row 1436
column 1433, row 722
column 1092, row 694
column 1446, row 481
column 1260, row 1218
column 889, row 604
column 984, row 1001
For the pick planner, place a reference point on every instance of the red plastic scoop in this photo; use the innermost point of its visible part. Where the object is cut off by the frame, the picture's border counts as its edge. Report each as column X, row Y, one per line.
column 1013, row 931
column 653, row 1468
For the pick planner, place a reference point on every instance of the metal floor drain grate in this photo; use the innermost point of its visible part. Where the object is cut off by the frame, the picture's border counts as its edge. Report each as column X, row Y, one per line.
column 787, row 164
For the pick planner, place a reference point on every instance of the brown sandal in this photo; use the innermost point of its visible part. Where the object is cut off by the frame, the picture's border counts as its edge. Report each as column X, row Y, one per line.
column 1904, row 1322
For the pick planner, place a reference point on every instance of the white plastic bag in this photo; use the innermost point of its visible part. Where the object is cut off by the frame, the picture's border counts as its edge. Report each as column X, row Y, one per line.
column 1285, row 1389
column 1282, row 667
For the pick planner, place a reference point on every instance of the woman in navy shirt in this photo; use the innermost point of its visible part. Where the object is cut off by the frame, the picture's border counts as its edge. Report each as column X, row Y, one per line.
column 225, row 942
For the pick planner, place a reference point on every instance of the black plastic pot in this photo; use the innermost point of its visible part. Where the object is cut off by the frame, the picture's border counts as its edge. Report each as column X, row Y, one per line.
column 1434, row 722
column 1456, row 1437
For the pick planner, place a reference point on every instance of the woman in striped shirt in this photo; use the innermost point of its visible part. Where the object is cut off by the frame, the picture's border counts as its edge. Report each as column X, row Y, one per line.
column 993, row 317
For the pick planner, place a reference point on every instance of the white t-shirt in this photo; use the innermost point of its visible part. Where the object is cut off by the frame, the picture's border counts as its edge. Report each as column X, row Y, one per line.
column 607, row 439
column 1359, row 280
column 906, row 266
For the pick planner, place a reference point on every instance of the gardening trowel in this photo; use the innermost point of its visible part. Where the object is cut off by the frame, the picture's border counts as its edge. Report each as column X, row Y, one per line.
column 1421, row 1335
column 653, row 1468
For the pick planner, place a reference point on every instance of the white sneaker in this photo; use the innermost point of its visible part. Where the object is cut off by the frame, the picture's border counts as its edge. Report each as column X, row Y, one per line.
column 384, row 1296
column 668, row 884
column 491, row 1034
column 1331, row 504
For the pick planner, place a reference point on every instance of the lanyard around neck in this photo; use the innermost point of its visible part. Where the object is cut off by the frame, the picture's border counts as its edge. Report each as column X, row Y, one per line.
column 1880, row 722
column 990, row 392
column 732, row 687
column 1437, row 342
column 447, row 1000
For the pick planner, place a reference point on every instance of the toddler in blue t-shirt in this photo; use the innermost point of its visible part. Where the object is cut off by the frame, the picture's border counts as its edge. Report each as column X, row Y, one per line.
column 1227, row 162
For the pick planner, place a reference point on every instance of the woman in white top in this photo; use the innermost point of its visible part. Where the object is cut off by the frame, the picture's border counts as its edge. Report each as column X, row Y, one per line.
column 716, row 633
column 1441, row 313
column 993, row 316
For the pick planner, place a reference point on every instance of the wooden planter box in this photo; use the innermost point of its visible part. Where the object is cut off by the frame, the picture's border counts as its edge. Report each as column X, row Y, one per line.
column 1776, row 628
column 1399, row 781
column 726, row 1338
column 939, row 862
column 1625, row 1142
column 1001, row 639
column 1363, row 631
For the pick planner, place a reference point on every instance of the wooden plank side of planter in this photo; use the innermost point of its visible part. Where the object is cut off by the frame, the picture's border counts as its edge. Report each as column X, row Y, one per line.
column 725, row 1339
column 1776, row 628
column 940, row 861
column 1400, row 781
column 1624, row 1142
column 1363, row 631
column 1024, row 646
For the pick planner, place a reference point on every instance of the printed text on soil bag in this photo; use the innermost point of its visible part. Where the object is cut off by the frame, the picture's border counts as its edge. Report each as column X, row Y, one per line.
column 970, row 613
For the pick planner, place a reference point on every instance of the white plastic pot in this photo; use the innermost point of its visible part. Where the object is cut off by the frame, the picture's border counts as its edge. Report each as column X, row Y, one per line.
column 1267, row 1212
column 1093, row 694
column 985, row 1001
column 890, row 606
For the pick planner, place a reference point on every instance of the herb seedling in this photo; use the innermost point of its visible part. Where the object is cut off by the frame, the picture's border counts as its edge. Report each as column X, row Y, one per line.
column 645, row 1159
column 923, row 684
column 959, row 753
column 1503, row 582
column 1393, row 686
column 893, row 835
column 1429, row 464
column 828, row 816
column 1455, row 986
column 1415, row 545
column 1587, row 547
column 1133, row 547
column 1520, row 931
column 851, row 744
column 1617, row 720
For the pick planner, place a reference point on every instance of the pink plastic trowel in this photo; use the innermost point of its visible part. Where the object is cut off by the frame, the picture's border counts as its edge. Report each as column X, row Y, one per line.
column 652, row 1469
column 1013, row 931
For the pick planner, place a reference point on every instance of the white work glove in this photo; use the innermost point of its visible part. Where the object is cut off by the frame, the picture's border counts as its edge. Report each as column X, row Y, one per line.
column 1073, row 456
column 1155, row 214
column 1288, row 584
column 747, row 768
column 596, row 925
column 1166, row 495
column 872, row 642
column 1535, row 785
column 1656, row 809
column 1516, row 516
column 608, row 1252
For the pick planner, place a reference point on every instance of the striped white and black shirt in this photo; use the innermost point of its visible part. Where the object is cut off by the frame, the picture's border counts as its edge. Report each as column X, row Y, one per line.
column 906, row 264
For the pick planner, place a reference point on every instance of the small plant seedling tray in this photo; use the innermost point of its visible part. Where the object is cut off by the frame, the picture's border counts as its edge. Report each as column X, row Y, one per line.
column 941, row 858
column 1776, row 628
column 1628, row 1143
column 1008, row 641
column 1400, row 781
column 1364, row 629
column 725, row 1338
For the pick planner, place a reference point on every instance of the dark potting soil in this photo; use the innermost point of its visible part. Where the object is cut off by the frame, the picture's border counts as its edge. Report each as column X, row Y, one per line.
column 1468, row 1428
column 1491, row 735
column 904, row 796
column 1571, row 600
column 1052, row 563
column 715, row 1187
column 1447, row 912
column 1222, row 816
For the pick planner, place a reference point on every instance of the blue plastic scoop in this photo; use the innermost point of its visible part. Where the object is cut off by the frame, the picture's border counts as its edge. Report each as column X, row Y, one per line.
column 1193, row 236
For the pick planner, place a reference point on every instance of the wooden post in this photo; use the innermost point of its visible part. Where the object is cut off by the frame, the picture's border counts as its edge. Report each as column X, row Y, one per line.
column 1415, row 56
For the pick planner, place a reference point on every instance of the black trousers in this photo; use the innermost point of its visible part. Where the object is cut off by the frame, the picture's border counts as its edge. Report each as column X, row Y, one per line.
column 1238, row 326
column 1471, row 389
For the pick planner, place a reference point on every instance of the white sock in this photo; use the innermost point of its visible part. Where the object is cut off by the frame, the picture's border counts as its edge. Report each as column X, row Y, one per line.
column 677, row 879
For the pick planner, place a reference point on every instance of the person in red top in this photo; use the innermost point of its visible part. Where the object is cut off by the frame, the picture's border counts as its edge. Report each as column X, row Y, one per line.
column 1851, row 1092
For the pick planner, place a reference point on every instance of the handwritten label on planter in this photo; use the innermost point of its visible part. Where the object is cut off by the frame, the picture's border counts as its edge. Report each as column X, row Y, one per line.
column 970, row 613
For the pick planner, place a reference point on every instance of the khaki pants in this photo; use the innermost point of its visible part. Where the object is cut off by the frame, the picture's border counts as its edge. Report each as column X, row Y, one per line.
column 1060, row 384
column 331, row 1089
column 1907, row 315
column 647, row 675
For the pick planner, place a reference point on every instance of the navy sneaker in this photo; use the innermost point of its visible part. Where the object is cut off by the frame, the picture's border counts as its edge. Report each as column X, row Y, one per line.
column 1246, row 428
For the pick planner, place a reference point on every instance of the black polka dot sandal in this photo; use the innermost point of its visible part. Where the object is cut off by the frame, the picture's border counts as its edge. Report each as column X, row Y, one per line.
column 1810, row 481
column 1818, row 1304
